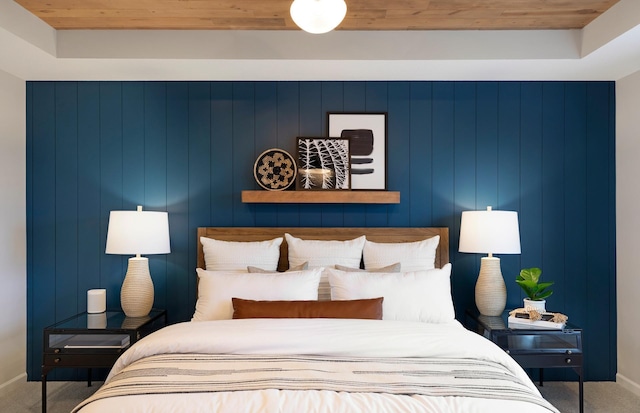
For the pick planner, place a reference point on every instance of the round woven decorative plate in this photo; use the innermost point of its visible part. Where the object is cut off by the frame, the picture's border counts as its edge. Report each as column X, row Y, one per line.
column 275, row 169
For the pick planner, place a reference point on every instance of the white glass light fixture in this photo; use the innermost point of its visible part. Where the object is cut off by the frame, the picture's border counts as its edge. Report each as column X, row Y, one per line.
column 318, row 16
column 135, row 233
column 490, row 232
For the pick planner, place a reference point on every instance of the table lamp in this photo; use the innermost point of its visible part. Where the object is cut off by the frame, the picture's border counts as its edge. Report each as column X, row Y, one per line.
column 490, row 232
column 134, row 233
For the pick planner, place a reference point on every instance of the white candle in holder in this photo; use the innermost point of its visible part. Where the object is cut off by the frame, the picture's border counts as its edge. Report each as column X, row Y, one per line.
column 97, row 300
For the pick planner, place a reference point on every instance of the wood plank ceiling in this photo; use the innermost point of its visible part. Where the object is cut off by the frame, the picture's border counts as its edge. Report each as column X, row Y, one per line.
column 274, row 14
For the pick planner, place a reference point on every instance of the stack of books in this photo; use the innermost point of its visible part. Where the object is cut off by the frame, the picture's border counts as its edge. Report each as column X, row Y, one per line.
column 521, row 320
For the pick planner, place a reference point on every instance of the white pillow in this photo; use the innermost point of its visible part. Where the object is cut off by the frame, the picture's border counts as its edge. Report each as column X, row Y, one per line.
column 410, row 296
column 321, row 253
column 413, row 256
column 236, row 256
column 216, row 288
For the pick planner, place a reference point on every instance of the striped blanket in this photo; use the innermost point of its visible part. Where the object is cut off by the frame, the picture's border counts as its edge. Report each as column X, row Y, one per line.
column 200, row 373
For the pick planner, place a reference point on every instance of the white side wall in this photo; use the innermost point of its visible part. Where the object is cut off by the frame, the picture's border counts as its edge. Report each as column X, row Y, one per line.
column 13, row 224
column 628, row 229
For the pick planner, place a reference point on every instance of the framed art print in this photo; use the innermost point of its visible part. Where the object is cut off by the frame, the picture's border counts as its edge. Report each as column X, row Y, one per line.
column 323, row 163
column 367, row 133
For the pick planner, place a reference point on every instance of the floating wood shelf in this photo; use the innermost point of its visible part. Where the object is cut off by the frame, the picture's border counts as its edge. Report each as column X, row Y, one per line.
column 321, row 197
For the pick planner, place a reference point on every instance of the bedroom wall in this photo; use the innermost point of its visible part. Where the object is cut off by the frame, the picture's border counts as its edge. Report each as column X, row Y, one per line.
column 545, row 149
column 628, row 197
column 13, row 271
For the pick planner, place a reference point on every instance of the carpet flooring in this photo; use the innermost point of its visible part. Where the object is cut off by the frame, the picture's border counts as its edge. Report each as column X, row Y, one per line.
column 600, row 397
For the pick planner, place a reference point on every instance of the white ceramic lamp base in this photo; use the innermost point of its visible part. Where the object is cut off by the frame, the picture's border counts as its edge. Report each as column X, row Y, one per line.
column 136, row 296
column 491, row 291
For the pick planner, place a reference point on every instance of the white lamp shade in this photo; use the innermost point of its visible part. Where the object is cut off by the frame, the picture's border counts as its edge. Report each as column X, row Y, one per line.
column 318, row 16
column 490, row 232
column 138, row 232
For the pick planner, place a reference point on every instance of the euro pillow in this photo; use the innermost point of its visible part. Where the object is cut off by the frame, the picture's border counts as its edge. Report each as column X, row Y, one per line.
column 237, row 255
column 322, row 253
column 217, row 288
column 410, row 296
column 389, row 268
column 413, row 256
column 370, row 309
column 303, row 266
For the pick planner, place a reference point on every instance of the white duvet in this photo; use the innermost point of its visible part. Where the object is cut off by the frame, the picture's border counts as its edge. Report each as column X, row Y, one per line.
column 326, row 337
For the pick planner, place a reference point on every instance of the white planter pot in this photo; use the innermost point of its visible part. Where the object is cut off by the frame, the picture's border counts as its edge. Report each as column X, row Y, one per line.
column 535, row 305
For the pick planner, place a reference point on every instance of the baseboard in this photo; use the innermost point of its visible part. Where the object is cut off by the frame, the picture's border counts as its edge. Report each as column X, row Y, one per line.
column 14, row 381
column 628, row 384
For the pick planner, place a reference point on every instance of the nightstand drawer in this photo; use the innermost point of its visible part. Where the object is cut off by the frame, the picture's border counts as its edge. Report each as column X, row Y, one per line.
column 548, row 360
column 80, row 360
column 540, row 342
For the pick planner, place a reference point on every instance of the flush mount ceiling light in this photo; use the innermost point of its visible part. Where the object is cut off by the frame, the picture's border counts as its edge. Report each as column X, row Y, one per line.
column 318, row 16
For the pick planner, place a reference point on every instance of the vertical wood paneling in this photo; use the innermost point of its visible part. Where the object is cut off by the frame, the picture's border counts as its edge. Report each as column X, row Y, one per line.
column 112, row 267
column 134, row 154
column 487, row 145
column 509, row 113
column 398, row 149
column 544, row 149
column 530, row 216
column 31, row 312
column 66, row 199
column 611, row 216
column 179, row 274
column 222, row 200
column 155, row 174
column 553, row 201
column 89, row 234
column 243, row 143
column 42, row 210
column 464, row 147
column 575, row 196
column 464, row 181
column 443, row 156
column 597, row 176
column 201, row 169
column 420, row 154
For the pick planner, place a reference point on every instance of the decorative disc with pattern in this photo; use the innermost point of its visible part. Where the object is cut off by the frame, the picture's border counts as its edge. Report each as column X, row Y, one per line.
column 275, row 170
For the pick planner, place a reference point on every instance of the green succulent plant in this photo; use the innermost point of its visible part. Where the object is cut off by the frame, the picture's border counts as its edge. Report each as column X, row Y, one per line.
column 529, row 281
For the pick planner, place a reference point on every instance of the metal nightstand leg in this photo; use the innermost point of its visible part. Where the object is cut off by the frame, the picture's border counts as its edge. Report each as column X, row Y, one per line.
column 580, row 388
column 43, row 379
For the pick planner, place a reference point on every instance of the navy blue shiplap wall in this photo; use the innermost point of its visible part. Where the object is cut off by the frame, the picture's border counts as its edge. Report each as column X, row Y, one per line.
column 544, row 149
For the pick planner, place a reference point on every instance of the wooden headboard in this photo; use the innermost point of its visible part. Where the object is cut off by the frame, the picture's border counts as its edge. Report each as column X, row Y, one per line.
column 372, row 234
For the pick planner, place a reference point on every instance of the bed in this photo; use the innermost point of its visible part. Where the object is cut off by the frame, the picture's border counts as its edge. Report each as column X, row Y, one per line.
column 354, row 319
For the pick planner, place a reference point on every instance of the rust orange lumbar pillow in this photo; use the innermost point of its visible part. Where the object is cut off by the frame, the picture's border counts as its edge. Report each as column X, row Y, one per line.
column 370, row 308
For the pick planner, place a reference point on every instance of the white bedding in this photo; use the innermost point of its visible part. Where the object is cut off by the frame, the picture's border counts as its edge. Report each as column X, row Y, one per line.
column 325, row 337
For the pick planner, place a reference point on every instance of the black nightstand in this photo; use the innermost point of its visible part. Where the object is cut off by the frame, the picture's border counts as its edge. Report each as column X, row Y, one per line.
column 93, row 341
column 533, row 348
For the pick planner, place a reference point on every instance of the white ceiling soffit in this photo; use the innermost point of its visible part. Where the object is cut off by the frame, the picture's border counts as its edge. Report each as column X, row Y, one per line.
column 607, row 49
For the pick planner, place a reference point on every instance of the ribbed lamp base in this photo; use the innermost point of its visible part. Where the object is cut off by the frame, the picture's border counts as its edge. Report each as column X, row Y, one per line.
column 491, row 292
column 136, row 295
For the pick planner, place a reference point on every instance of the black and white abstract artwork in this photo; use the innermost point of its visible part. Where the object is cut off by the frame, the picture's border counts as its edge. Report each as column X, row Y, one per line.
column 323, row 163
column 367, row 133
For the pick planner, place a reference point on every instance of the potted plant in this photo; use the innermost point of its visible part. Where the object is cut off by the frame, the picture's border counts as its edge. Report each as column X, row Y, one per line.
column 536, row 291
